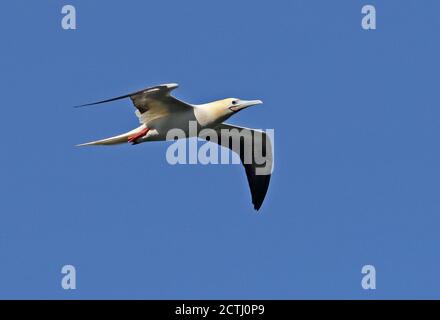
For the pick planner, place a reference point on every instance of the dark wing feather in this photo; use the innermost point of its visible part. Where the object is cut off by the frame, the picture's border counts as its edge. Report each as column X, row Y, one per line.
column 258, row 184
column 258, row 172
column 149, row 98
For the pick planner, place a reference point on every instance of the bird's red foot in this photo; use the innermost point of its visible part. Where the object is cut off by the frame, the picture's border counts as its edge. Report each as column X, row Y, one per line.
column 138, row 135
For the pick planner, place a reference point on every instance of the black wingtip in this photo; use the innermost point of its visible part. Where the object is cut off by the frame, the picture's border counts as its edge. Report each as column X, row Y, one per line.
column 104, row 101
column 81, row 106
column 257, row 206
column 259, row 186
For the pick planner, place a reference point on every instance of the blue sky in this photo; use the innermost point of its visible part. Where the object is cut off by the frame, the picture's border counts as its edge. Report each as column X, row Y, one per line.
column 357, row 178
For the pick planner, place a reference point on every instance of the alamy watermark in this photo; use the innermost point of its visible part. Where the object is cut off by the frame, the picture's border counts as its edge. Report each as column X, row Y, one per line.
column 68, row 282
column 248, row 146
column 369, row 278
column 68, row 22
column 369, row 20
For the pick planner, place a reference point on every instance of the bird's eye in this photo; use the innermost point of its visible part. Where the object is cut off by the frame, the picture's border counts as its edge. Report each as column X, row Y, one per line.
column 234, row 102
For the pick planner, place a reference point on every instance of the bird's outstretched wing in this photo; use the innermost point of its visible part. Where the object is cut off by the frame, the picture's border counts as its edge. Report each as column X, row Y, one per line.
column 255, row 150
column 151, row 103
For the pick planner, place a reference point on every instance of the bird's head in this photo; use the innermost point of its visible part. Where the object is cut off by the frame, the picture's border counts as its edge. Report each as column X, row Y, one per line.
column 221, row 110
column 235, row 105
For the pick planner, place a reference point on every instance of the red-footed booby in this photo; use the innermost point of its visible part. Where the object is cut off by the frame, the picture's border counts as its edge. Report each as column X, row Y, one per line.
column 159, row 112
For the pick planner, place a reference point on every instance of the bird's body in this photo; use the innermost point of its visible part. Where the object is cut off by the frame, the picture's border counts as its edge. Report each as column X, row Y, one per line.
column 205, row 116
column 159, row 113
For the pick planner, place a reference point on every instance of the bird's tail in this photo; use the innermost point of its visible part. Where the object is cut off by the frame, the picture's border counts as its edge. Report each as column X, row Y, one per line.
column 122, row 138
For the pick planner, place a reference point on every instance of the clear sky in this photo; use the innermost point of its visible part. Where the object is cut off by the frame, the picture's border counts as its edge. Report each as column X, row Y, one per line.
column 357, row 126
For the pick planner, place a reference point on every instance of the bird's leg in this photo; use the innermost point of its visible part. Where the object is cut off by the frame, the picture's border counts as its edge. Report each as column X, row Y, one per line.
column 138, row 135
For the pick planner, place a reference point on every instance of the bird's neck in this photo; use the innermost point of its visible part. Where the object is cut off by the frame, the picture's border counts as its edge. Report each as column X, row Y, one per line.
column 211, row 114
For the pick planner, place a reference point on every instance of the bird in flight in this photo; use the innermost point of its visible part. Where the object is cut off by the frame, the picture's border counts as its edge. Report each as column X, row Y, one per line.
column 159, row 112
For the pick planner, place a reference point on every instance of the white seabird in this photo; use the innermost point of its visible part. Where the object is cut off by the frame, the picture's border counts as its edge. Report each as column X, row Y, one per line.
column 159, row 112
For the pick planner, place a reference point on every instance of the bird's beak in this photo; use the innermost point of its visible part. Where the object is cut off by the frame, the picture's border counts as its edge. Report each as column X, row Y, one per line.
column 243, row 104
